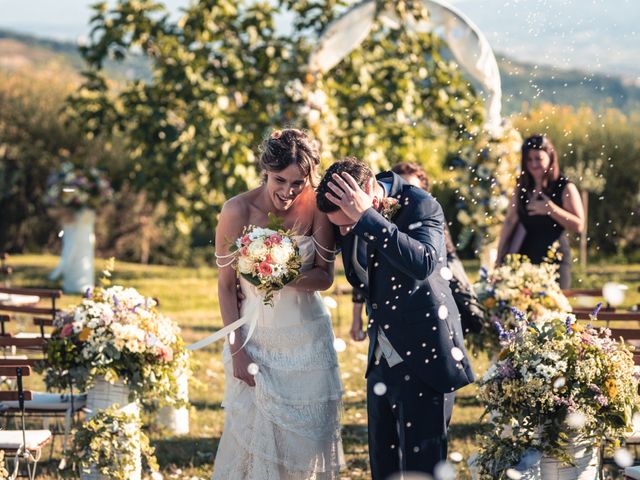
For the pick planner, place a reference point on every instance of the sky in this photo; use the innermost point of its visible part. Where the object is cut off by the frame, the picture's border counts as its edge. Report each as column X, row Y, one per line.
column 593, row 35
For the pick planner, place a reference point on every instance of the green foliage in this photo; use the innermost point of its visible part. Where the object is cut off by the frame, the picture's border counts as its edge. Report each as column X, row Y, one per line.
column 395, row 96
column 104, row 443
column 219, row 76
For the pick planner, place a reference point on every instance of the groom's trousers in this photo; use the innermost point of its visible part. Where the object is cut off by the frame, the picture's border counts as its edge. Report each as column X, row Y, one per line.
column 407, row 424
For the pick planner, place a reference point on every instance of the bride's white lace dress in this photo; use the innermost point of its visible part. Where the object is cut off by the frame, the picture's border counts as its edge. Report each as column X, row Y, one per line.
column 287, row 427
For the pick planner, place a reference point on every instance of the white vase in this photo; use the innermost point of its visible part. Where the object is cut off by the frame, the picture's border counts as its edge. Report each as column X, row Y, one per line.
column 103, row 395
column 76, row 259
column 585, row 457
column 176, row 420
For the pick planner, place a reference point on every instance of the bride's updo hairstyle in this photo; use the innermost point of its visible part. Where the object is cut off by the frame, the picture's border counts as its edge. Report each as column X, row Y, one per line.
column 286, row 147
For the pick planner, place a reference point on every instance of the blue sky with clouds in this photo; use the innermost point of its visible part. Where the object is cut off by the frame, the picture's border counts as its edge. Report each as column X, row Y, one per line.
column 596, row 35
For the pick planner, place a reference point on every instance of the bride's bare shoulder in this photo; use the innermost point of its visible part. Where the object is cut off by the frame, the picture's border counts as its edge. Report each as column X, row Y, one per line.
column 239, row 205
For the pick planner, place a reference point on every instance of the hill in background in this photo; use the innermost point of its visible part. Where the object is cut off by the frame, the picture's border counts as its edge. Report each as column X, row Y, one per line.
column 523, row 84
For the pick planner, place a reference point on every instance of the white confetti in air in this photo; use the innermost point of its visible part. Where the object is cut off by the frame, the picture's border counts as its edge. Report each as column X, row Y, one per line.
column 457, row 354
column 446, row 273
column 61, row 234
column 68, row 189
column 330, row 302
column 443, row 312
column 444, row 471
column 456, row 457
column 623, row 457
column 513, row 474
column 253, row 369
column 340, row 345
column 415, row 225
column 379, row 389
column 559, row 383
column 576, row 420
column 232, row 338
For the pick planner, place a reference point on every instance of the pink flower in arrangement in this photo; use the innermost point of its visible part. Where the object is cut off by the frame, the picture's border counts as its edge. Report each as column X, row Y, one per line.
column 275, row 239
column 245, row 240
column 264, row 268
column 165, row 353
column 244, row 251
column 526, row 292
column 67, row 330
column 268, row 258
column 267, row 243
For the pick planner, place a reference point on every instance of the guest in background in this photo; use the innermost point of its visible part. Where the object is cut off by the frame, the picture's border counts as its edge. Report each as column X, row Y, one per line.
column 470, row 309
column 544, row 205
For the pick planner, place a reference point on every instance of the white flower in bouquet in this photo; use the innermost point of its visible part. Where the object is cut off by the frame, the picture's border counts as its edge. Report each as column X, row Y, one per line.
column 257, row 249
column 246, row 265
column 282, row 253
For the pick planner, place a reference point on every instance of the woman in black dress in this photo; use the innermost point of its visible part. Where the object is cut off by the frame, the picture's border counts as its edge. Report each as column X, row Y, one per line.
column 546, row 204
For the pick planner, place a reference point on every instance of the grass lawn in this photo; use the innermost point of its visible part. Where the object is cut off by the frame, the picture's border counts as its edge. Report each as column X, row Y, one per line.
column 189, row 296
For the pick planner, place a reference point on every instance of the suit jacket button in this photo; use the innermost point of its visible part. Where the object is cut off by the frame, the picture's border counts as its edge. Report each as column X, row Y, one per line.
column 374, row 306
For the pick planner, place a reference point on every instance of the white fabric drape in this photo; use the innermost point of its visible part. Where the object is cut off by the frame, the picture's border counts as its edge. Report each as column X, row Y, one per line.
column 467, row 43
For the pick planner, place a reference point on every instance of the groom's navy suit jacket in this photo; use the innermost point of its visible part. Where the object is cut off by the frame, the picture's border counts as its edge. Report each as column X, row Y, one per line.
column 406, row 289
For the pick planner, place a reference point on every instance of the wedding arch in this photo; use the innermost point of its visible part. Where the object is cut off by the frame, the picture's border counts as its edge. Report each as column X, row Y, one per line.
column 489, row 167
column 465, row 40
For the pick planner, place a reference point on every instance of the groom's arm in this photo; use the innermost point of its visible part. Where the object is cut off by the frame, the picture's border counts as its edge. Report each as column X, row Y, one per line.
column 415, row 252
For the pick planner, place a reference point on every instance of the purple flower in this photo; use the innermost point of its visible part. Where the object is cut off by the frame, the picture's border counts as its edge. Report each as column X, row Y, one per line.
column 501, row 332
column 520, row 316
column 115, row 301
column 87, row 293
column 596, row 310
column 483, row 273
column 602, row 400
column 568, row 324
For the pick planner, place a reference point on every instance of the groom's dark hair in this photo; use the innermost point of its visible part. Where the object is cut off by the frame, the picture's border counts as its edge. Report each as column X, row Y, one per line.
column 359, row 170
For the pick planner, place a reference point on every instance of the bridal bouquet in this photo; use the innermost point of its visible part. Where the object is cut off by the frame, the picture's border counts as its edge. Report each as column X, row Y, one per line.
column 117, row 333
column 555, row 381
column 520, row 284
column 268, row 258
column 74, row 189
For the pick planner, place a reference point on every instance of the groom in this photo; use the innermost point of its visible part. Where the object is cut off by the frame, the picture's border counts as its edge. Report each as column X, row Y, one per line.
column 392, row 242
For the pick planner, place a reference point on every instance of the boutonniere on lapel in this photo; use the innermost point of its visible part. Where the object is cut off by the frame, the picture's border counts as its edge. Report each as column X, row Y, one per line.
column 390, row 207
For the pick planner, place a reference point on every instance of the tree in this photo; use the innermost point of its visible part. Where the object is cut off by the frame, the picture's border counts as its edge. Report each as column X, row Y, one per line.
column 219, row 76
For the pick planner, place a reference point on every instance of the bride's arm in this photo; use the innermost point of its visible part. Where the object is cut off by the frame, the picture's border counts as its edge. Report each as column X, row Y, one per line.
column 320, row 277
column 228, row 230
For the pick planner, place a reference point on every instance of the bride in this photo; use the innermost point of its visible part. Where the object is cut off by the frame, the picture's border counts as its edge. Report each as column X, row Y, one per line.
column 282, row 393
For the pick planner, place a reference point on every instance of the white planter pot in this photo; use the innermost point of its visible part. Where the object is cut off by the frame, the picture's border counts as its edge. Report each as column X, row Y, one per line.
column 585, row 456
column 103, row 395
column 76, row 260
column 176, row 420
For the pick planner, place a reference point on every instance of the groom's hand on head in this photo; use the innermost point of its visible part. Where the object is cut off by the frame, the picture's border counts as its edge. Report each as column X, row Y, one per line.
column 347, row 194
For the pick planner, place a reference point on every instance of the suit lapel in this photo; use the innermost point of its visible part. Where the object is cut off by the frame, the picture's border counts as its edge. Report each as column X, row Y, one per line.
column 347, row 252
column 395, row 191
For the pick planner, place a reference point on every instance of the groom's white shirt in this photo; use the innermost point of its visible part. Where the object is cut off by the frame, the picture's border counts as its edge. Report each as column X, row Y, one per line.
column 383, row 346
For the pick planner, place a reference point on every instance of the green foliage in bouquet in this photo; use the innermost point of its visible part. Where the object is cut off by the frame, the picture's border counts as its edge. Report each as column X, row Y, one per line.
column 555, row 381
column 117, row 333
column 103, row 443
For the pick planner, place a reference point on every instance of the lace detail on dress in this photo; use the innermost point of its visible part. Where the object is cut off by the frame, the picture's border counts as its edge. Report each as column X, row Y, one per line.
column 287, row 427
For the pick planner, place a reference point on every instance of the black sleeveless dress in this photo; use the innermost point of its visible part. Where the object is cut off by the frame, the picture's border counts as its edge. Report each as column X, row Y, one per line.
column 543, row 231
